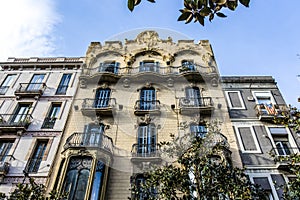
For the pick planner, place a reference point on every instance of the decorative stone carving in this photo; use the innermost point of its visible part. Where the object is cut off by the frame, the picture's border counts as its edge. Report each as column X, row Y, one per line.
column 150, row 38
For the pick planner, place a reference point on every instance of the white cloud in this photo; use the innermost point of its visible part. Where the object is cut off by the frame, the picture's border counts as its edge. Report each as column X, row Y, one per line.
column 27, row 27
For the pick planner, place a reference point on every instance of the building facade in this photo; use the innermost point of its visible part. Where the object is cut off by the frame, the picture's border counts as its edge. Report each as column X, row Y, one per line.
column 35, row 99
column 132, row 95
column 253, row 102
column 91, row 126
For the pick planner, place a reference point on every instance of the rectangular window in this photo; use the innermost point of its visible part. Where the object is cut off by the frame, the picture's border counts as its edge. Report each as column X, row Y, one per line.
column 235, row 100
column 37, row 156
column 281, row 140
column 7, row 83
column 21, row 114
column 264, row 98
column 36, row 82
column 247, row 139
column 5, row 146
column 64, row 83
column 199, row 130
column 53, row 114
column 264, row 183
column 187, row 65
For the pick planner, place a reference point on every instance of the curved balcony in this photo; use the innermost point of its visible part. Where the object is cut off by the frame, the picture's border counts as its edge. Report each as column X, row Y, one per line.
column 203, row 105
column 89, row 140
column 267, row 112
column 98, row 106
column 30, row 90
column 147, row 107
column 105, row 72
column 145, row 152
column 17, row 123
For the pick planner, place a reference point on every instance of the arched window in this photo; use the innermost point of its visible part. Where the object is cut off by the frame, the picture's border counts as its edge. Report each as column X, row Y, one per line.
column 147, row 99
column 102, row 98
column 77, row 176
column 192, row 95
column 199, row 130
column 146, row 139
column 187, row 65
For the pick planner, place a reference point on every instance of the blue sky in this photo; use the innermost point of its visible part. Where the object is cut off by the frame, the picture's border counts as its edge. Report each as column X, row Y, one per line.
column 260, row 40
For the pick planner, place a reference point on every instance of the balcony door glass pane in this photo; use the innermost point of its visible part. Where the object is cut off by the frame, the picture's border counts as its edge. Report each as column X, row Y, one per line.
column 36, row 82
column 21, row 113
column 5, row 147
column 76, row 178
column 198, row 130
column 7, row 82
column 193, row 95
column 102, row 98
column 146, row 139
column 64, row 83
column 93, row 134
column 98, row 181
column 147, row 99
column 37, row 156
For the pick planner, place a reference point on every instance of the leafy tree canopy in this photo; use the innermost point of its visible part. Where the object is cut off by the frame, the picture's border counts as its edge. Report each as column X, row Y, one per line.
column 199, row 10
column 202, row 170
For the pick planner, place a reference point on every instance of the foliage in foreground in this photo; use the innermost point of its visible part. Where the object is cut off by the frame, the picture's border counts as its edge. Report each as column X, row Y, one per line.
column 200, row 171
column 199, row 10
column 31, row 191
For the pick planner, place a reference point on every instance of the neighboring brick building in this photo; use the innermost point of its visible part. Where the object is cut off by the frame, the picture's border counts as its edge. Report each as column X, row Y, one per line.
column 35, row 98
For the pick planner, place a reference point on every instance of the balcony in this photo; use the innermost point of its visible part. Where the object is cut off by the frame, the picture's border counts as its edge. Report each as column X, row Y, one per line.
column 90, row 141
column 149, row 67
column 30, row 90
column 203, row 105
column 106, row 72
column 14, row 123
column 267, row 112
column 279, row 155
column 100, row 106
column 48, row 123
column 147, row 107
column 145, row 152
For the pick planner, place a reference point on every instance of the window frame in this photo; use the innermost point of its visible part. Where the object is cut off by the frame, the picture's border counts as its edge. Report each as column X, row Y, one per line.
column 149, row 139
column 41, row 156
column 4, row 155
column 48, row 117
column 59, row 90
column 254, row 93
column 12, row 80
column 240, row 141
column 243, row 107
column 290, row 138
column 268, row 176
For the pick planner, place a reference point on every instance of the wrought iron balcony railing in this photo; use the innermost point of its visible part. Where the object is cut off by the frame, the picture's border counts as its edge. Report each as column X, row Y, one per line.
column 109, row 67
column 145, row 150
column 147, row 105
column 15, row 120
column 4, row 168
column 49, row 122
column 89, row 140
column 149, row 67
column 195, row 102
column 144, row 107
column 30, row 89
column 104, row 106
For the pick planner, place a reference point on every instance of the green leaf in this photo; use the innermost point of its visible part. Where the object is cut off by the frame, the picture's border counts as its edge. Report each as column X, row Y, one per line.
column 211, row 16
column 232, row 5
column 201, row 20
column 245, row 2
column 189, row 19
column 219, row 14
column 184, row 16
column 137, row 2
column 205, row 11
column 130, row 5
column 152, row 1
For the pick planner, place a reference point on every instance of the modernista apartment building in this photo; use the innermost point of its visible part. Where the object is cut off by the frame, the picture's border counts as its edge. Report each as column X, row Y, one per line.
column 90, row 127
